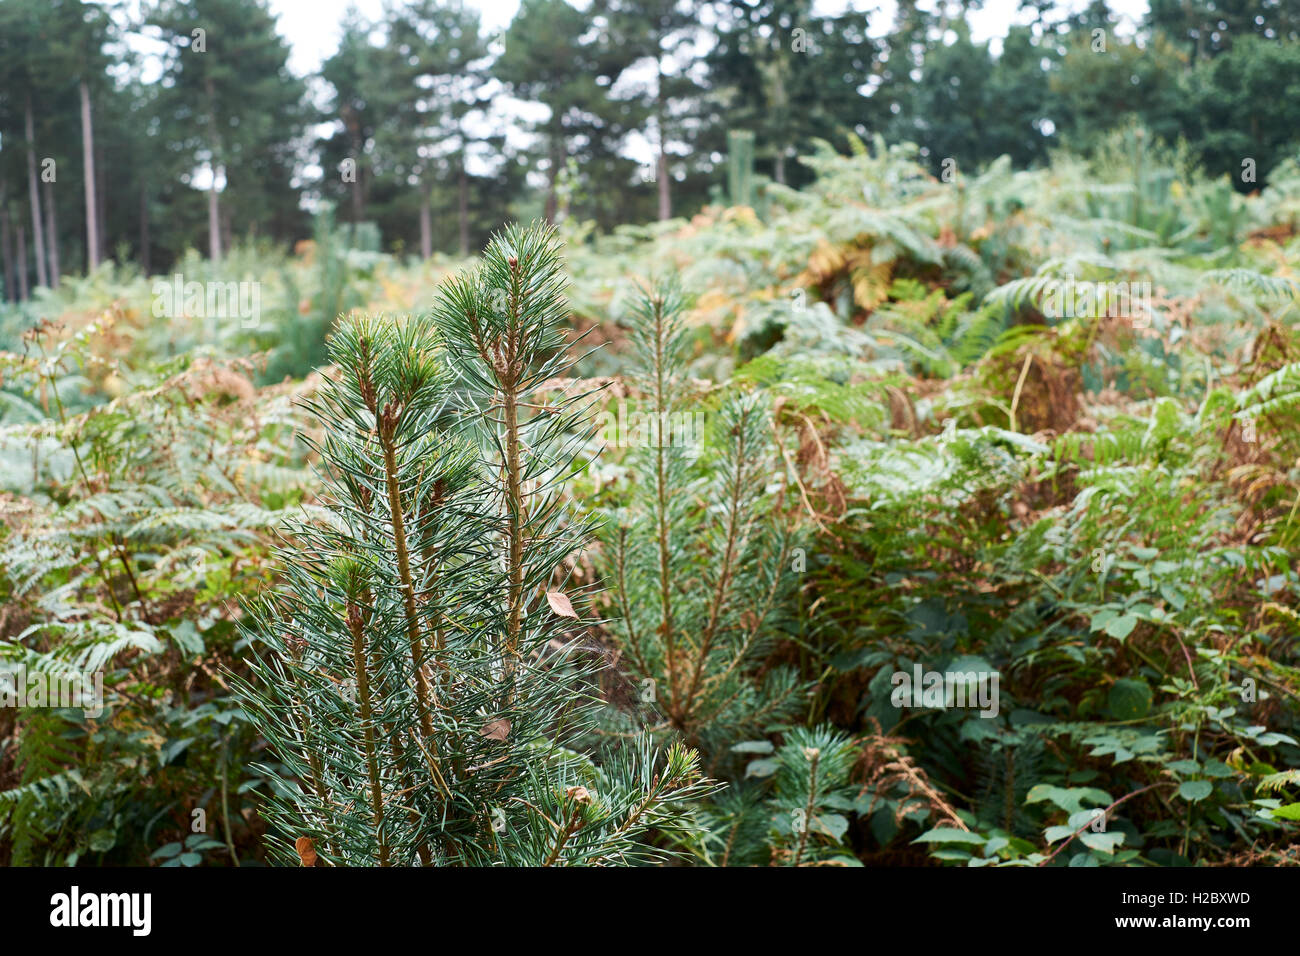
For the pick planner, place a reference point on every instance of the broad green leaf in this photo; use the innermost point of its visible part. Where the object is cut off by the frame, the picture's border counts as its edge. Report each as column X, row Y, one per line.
column 1195, row 790
column 1129, row 699
column 949, row 835
column 1122, row 626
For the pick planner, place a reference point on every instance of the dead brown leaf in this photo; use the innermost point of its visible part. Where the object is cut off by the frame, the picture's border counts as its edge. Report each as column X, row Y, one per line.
column 560, row 604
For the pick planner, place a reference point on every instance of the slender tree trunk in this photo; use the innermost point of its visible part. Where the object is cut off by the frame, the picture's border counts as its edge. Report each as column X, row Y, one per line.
column 214, row 203
column 101, row 201
column 665, row 195
column 676, row 706
column 779, row 108
column 22, row 264
column 661, row 165
column 553, row 174
column 515, row 529
column 462, row 207
column 88, row 169
column 6, row 248
column 52, row 234
column 358, row 199
column 353, row 125
column 144, row 229
column 426, row 222
column 38, row 231
column 368, row 724
column 214, row 218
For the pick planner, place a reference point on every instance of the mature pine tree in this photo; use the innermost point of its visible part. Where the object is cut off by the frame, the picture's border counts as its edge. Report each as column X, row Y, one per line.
column 1243, row 105
column 970, row 106
column 1206, row 28
column 239, row 110
column 46, row 50
column 66, row 76
column 791, row 75
column 364, row 94
column 1096, row 91
column 554, row 56
column 443, row 57
column 664, row 33
column 23, row 27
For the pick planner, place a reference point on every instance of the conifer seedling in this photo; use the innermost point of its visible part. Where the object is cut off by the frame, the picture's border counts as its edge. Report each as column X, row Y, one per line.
column 416, row 675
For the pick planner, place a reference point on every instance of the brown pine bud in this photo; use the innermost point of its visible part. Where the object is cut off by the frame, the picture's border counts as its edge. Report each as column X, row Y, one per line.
column 387, row 421
column 295, row 645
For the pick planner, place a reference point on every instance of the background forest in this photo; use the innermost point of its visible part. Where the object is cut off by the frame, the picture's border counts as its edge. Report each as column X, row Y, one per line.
column 837, row 240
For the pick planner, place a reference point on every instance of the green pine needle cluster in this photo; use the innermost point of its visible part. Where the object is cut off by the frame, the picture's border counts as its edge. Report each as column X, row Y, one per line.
column 421, row 680
column 700, row 560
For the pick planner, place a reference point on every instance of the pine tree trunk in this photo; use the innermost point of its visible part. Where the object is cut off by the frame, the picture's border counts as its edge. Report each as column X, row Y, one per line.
column 665, row 196
column 38, row 231
column 214, row 219
column 358, row 199
column 426, row 223
column 22, row 264
column 52, row 235
column 88, row 169
column 6, row 249
column 661, row 165
column 101, row 200
column 353, row 125
column 144, row 230
column 778, row 172
column 463, row 208
column 214, row 203
column 552, row 204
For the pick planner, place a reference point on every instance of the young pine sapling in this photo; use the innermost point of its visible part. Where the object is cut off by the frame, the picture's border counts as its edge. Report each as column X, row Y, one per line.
column 699, row 562
column 420, row 691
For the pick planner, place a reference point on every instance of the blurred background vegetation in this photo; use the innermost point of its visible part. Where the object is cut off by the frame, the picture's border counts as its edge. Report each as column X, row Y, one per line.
column 621, row 110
